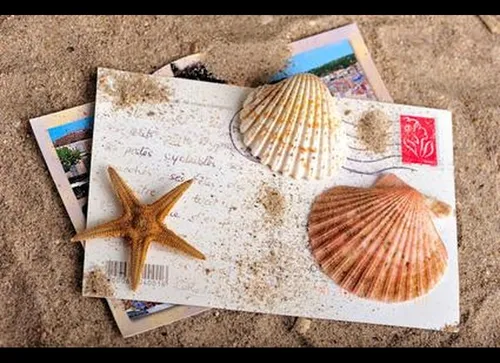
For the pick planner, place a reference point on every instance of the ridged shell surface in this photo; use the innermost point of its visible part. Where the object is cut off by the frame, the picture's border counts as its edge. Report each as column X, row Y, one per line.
column 379, row 243
column 294, row 128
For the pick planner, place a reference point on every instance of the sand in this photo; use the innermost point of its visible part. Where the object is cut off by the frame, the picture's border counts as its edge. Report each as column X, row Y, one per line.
column 97, row 283
column 132, row 89
column 274, row 205
column 374, row 131
column 248, row 64
column 49, row 63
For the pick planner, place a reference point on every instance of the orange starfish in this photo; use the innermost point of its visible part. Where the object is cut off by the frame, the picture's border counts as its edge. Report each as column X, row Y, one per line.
column 141, row 224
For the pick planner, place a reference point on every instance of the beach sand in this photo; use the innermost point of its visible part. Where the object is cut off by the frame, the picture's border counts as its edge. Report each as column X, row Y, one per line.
column 49, row 64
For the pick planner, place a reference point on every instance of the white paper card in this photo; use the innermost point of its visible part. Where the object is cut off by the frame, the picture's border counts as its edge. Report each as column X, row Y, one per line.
column 256, row 260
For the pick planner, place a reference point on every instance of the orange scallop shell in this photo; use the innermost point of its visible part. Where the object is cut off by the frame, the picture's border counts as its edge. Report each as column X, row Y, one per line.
column 378, row 243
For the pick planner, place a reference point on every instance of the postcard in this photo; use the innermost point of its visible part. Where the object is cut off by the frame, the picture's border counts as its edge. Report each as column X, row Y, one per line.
column 252, row 264
column 341, row 59
column 72, row 179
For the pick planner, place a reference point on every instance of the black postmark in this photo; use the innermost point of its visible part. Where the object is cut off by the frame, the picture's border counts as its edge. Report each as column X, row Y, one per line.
column 236, row 138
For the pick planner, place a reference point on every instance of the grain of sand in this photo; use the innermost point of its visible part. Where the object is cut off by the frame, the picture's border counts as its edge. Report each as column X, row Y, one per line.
column 49, row 64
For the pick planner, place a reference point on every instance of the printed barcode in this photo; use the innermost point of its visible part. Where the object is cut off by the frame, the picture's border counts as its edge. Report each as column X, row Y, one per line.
column 150, row 272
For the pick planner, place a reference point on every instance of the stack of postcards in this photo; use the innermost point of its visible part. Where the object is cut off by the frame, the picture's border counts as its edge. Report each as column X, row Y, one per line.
column 361, row 231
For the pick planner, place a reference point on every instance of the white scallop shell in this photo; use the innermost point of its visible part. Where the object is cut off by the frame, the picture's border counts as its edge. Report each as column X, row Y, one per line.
column 293, row 127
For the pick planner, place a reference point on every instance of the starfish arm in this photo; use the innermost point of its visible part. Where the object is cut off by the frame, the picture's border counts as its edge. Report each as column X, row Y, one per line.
column 164, row 205
column 123, row 191
column 109, row 229
column 138, row 252
column 170, row 239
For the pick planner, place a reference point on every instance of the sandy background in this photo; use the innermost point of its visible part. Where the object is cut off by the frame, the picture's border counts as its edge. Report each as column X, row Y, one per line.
column 48, row 64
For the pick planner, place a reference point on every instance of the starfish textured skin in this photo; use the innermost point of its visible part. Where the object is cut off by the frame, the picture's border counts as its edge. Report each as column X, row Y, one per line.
column 141, row 224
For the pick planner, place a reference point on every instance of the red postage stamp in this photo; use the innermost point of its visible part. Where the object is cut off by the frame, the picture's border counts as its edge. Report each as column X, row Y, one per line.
column 418, row 140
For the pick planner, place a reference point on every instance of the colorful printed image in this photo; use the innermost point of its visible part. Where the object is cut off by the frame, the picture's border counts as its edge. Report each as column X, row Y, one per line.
column 139, row 309
column 73, row 144
column 337, row 65
column 196, row 71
